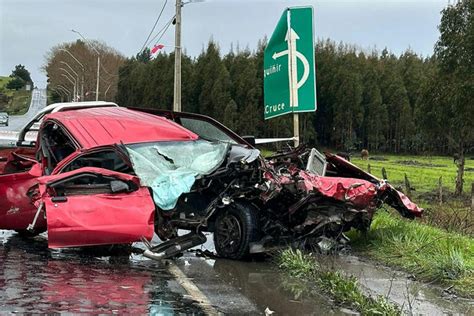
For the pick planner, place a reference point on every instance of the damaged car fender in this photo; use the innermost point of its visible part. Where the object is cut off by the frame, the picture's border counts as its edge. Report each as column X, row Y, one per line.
column 16, row 194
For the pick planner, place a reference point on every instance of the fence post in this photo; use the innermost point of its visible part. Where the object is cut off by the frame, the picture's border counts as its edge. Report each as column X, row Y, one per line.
column 472, row 197
column 440, row 189
column 368, row 168
column 407, row 186
column 384, row 173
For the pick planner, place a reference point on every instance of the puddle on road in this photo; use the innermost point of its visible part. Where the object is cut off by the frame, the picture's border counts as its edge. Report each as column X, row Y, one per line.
column 251, row 287
column 34, row 279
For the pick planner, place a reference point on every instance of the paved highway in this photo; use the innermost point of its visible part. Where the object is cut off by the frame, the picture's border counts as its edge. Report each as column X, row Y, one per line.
column 10, row 132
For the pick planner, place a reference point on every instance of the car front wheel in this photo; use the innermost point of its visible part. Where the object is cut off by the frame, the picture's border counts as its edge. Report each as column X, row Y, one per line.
column 235, row 228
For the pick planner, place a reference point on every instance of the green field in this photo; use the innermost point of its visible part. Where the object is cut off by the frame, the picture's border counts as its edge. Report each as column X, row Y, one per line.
column 423, row 171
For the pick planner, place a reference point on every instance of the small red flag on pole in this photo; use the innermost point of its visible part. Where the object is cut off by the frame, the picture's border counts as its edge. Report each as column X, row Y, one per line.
column 157, row 48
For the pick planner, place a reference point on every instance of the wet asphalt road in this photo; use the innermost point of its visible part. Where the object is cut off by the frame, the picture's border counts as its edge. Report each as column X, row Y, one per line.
column 34, row 279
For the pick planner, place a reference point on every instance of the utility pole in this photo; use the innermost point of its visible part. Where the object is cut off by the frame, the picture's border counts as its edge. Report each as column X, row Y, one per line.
column 98, row 76
column 177, row 59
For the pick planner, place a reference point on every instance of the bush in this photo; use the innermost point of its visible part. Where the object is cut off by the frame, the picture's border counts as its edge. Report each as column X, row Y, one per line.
column 16, row 84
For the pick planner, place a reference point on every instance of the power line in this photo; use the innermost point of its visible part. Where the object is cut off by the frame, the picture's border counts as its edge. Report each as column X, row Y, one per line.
column 154, row 25
column 162, row 32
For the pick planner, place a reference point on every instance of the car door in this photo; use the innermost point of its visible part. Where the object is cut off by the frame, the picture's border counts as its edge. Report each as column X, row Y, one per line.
column 95, row 206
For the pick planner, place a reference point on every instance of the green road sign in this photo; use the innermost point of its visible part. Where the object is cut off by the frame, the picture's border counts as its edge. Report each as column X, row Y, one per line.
column 289, row 77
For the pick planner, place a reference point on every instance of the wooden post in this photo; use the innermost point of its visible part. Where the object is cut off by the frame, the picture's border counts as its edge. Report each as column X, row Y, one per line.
column 407, row 186
column 472, row 197
column 384, row 173
column 368, row 168
column 440, row 189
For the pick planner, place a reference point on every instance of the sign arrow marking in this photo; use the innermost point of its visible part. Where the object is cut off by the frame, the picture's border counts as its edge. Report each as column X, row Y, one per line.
column 291, row 37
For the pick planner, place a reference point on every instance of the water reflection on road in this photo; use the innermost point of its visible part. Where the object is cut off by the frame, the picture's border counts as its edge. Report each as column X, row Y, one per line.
column 35, row 280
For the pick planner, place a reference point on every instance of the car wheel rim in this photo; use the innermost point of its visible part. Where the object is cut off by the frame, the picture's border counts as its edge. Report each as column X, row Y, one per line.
column 229, row 234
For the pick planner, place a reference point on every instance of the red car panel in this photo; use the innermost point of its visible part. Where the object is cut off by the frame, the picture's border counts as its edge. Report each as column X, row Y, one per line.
column 357, row 192
column 400, row 201
column 97, row 219
column 16, row 209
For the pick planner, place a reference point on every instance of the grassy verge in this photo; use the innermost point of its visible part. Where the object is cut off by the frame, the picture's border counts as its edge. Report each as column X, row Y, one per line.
column 429, row 253
column 14, row 102
column 344, row 290
column 20, row 103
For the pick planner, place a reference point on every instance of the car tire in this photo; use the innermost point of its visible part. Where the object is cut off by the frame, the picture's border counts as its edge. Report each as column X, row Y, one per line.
column 235, row 228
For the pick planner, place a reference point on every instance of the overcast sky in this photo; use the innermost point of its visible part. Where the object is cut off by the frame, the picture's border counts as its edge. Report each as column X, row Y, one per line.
column 29, row 28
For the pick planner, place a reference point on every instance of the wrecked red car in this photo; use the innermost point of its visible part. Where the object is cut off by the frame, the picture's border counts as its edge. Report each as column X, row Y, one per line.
column 116, row 176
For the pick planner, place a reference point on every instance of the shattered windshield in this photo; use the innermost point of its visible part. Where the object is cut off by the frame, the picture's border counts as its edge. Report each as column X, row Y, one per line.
column 170, row 168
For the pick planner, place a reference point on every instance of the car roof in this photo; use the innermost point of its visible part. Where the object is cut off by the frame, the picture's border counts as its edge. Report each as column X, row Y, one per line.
column 63, row 106
column 94, row 127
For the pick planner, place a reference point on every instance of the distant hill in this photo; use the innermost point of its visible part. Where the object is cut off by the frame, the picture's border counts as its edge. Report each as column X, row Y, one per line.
column 12, row 101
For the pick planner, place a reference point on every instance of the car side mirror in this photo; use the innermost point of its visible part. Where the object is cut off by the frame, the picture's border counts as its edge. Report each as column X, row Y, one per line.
column 117, row 186
column 249, row 139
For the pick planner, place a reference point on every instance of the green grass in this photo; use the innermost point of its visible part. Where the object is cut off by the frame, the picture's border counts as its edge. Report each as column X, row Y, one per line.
column 20, row 102
column 343, row 289
column 429, row 253
column 3, row 82
column 266, row 152
column 422, row 171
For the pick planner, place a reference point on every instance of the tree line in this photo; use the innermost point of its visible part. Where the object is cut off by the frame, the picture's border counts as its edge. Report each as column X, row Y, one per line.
column 72, row 67
column 374, row 100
